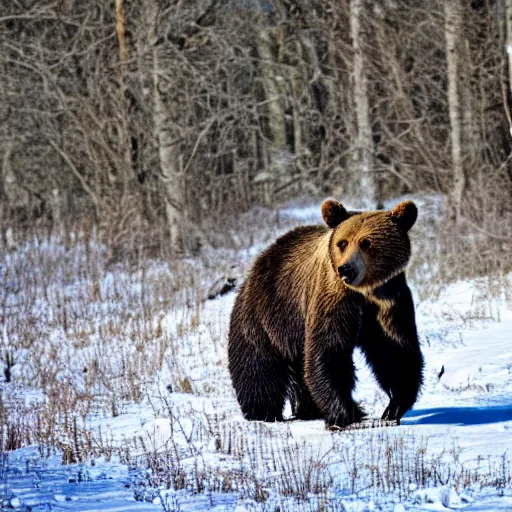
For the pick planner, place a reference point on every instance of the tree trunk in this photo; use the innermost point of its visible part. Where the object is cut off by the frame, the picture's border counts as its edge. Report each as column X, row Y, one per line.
column 470, row 116
column 121, row 31
column 277, row 153
column 297, row 78
column 507, row 94
column 16, row 195
column 452, row 34
column 363, row 156
column 127, row 132
column 509, row 45
column 168, row 150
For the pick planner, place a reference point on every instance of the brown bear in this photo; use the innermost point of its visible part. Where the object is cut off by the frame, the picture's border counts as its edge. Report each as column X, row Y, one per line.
column 309, row 300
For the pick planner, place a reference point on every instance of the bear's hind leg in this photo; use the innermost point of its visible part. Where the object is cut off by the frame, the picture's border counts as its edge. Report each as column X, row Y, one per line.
column 303, row 405
column 261, row 377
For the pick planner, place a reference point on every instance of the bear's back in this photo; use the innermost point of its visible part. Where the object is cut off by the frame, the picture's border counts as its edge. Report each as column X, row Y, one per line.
column 277, row 288
column 288, row 255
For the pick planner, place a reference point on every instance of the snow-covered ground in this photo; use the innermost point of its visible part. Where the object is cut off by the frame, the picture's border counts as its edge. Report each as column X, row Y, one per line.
column 186, row 447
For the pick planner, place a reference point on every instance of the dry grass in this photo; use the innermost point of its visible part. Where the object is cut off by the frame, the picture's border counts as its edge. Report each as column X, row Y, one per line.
column 83, row 338
column 276, row 471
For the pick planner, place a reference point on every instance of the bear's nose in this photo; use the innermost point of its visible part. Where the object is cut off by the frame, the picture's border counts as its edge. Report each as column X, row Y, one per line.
column 348, row 273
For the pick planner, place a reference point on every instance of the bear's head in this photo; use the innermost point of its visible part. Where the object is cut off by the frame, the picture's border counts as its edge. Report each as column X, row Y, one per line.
column 367, row 249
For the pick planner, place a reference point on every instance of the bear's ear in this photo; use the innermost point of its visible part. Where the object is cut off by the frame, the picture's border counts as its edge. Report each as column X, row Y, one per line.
column 405, row 215
column 334, row 213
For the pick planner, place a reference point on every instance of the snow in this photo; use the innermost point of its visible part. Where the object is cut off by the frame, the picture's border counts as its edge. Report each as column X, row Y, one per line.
column 462, row 419
column 36, row 484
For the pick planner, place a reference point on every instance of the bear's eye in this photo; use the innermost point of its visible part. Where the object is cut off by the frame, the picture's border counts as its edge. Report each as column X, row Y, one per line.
column 365, row 244
column 342, row 245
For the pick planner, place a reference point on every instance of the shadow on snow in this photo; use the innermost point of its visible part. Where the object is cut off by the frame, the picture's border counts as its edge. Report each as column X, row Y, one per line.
column 458, row 415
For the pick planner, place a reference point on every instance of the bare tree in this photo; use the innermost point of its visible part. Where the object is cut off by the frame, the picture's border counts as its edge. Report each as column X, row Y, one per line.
column 165, row 133
column 275, row 95
column 364, row 143
column 508, row 50
column 121, row 30
column 154, row 117
column 452, row 12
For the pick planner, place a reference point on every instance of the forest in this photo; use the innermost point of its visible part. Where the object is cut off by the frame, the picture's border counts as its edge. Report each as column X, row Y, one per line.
column 155, row 122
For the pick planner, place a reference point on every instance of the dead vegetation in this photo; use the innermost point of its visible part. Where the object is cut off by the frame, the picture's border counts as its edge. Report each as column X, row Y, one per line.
column 85, row 339
column 271, row 468
column 135, row 118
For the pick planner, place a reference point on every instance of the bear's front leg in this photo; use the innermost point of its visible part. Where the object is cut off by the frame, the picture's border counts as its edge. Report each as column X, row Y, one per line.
column 389, row 340
column 329, row 367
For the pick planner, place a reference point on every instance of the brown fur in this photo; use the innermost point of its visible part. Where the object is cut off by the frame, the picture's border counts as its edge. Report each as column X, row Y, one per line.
column 333, row 213
column 296, row 322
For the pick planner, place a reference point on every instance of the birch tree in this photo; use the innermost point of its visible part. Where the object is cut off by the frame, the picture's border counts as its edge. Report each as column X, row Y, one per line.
column 165, row 136
column 508, row 45
column 452, row 13
column 273, row 84
column 363, row 157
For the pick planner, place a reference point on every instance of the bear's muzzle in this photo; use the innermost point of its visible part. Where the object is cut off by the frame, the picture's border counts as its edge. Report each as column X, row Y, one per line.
column 348, row 273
